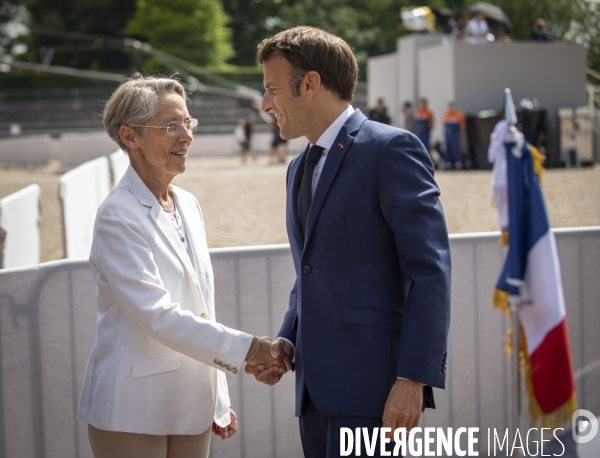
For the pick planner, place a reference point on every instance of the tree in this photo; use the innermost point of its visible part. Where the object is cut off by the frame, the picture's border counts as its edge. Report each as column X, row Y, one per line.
column 194, row 30
column 586, row 31
column 251, row 22
column 53, row 23
column 14, row 21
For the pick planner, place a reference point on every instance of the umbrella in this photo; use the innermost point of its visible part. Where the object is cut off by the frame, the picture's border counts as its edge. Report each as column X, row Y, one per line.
column 444, row 17
column 491, row 12
column 441, row 12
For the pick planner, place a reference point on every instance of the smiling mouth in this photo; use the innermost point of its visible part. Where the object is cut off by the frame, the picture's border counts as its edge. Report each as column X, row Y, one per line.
column 179, row 153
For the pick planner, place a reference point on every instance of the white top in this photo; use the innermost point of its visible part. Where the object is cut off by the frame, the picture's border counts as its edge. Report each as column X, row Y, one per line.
column 479, row 30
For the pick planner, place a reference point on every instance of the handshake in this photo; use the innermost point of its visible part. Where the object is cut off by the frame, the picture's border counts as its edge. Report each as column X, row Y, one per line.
column 269, row 361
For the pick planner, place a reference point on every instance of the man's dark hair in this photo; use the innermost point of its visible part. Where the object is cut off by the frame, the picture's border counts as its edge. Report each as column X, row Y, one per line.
column 313, row 49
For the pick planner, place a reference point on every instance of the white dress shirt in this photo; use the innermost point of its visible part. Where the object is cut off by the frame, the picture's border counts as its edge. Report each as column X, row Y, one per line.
column 326, row 141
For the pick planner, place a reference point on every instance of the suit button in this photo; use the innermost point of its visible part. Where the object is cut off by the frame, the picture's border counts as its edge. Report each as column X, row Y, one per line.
column 229, row 367
column 306, row 269
column 217, row 361
column 234, row 370
column 222, row 364
column 204, row 315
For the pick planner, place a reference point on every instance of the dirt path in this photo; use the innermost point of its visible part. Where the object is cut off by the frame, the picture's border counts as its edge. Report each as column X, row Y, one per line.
column 245, row 205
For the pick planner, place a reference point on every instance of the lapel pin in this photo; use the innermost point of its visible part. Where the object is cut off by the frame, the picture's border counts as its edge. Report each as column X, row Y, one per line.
column 340, row 145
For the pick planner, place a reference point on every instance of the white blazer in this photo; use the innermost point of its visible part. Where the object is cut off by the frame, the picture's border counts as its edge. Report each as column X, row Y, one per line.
column 158, row 365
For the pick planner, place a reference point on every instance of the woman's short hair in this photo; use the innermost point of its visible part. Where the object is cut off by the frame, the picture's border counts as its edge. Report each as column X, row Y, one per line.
column 313, row 49
column 135, row 101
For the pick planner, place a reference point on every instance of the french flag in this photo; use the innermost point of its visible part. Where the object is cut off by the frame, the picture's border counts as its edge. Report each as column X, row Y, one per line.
column 532, row 270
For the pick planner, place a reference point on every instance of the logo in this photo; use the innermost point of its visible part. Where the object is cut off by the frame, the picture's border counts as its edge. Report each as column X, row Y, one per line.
column 584, row 426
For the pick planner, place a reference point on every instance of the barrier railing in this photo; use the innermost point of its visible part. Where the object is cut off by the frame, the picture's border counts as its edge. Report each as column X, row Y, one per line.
column 47, row 329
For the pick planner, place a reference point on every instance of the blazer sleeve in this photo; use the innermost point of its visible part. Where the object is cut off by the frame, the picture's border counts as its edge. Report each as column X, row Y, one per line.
column 289, row 327
column 409, row 200
column 123, row 259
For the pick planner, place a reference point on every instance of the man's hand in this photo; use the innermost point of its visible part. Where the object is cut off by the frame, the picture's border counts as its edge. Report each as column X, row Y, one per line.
column 403, row 406
column 263, row 355
column 283, row 353
column 226, row 431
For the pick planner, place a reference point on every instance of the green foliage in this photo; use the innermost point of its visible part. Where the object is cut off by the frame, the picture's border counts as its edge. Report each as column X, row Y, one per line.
column 586, row 31
column 14, row 21
column 558, row 14
column 95, row 17
column 251, row 22
column 194, row 30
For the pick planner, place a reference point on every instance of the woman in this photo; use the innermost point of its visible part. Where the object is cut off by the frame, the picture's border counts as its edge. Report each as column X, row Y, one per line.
column 155, row 384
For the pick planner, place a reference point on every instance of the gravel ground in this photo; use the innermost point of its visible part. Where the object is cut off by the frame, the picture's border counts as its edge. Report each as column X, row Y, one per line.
column 245, row 205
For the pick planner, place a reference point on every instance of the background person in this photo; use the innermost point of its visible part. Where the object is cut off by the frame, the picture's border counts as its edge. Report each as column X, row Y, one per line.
column 454, row 126
column 240, row 134
column 379, row 113
column 279, row 148
column 424, row 120
column 369, row 312
column 155, row 383
column 540, row 31
column 478, row 29
column 409, row 118
column 247, row 150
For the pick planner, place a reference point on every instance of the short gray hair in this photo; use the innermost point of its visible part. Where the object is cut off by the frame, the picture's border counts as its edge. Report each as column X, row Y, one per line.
column 135, row 101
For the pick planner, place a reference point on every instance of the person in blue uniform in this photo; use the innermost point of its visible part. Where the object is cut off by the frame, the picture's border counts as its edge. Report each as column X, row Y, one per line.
column 423, row 122
column 454, row 124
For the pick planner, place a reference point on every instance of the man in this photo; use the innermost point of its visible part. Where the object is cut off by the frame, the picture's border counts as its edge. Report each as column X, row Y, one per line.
column 369, row 312
column 409, row 119
column 477, row 29
column 454, row 126
column 423, row 118
column 379, row 113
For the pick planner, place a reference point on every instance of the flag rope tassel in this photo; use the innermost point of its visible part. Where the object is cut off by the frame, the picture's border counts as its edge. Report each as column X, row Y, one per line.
column 563, row 413
column 538, row 163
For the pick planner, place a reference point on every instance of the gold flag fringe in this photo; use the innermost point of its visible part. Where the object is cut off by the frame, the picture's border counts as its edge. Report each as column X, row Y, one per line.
column 503, row 240
column 538, row 161
column 552, row 419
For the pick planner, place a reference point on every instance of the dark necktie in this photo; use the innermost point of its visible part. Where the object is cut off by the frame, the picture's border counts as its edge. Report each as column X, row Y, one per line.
column 305, row 195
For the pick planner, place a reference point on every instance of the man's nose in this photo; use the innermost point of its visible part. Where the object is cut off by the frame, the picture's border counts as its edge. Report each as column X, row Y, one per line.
column 266, row 104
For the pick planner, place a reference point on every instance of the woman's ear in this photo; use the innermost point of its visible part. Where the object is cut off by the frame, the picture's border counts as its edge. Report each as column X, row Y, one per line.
column 311, row 83
column 130, row 137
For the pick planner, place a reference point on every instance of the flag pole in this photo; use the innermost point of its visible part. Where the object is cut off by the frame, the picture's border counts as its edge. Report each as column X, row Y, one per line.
column 514, row 301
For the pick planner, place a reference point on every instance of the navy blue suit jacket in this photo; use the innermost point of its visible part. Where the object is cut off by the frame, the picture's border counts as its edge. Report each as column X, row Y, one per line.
column 371, row 300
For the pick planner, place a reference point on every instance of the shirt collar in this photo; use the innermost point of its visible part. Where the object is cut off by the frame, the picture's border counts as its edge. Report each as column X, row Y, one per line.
column 330, row 134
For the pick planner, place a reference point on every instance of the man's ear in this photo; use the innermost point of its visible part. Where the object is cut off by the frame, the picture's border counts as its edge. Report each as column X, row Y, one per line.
column 129, row 137
column 311, row 83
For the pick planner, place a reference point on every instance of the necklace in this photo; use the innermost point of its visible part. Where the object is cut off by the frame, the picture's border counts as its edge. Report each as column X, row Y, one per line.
column 172, row 209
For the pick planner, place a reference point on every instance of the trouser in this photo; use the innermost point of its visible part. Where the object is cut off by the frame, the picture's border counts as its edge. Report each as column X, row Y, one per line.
column 114, row 444
column 321, row 438
column 452, row 149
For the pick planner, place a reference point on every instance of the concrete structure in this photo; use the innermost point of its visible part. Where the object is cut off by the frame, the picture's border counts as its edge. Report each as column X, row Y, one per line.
column 395, row 76
column 474, row 76
column 382, row 81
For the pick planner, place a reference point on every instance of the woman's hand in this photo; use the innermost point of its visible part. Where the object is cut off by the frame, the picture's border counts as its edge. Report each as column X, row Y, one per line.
column 226, row 432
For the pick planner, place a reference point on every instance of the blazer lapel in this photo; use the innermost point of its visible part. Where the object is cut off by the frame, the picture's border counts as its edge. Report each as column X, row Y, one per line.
column 294, row 189
column 334, row 160
column 193, row 223
column 162, row 221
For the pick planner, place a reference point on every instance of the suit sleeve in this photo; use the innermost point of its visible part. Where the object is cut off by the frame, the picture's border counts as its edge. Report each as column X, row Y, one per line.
column 409, row 201
column 124, row 261
column 289, row 327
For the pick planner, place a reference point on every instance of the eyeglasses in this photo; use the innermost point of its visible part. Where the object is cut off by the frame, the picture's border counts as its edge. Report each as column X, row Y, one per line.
column 174, row 127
